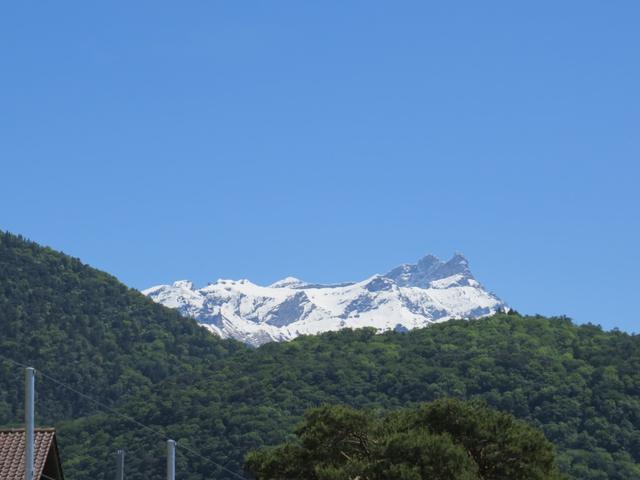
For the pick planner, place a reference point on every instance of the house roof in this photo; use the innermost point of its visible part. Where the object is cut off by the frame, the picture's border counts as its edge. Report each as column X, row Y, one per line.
column 12, row 451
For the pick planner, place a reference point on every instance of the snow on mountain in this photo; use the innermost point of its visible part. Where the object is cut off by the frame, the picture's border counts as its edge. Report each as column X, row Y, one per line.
column 407, row 297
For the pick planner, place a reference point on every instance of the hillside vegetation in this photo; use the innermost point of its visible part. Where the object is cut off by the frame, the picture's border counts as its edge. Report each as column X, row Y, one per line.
column 579, row 384
column 83, row 327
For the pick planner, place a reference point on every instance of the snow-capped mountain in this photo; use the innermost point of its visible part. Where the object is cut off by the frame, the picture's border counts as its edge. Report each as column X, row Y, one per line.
column 407, row 297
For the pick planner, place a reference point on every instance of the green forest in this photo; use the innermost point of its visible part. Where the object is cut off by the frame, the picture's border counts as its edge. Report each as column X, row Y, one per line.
column 220, row 400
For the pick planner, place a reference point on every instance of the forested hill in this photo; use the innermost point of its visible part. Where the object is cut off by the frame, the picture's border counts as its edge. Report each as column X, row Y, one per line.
column 87, row 329
column 581, row 385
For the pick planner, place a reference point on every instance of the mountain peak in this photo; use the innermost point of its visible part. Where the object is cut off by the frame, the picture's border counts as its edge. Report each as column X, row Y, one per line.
column 459, row 259
column 188, row 284
column 458, row 264
column 291, row 282
column 460, row 256
column 429, row 260
column 409, row 296
column 429, row 269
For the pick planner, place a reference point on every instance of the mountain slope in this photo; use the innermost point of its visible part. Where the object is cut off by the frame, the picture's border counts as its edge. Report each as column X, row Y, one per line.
column 86, row 328
column 409, row 296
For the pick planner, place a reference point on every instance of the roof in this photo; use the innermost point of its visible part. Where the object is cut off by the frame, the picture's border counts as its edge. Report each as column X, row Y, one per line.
column 12, row 450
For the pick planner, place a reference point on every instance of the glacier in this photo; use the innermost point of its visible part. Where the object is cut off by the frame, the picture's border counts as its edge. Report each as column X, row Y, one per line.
column 409, row 296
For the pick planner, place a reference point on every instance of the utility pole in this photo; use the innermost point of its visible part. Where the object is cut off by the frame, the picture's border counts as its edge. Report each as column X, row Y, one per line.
column 120, row 465
column 29, row 421
column 171, row 460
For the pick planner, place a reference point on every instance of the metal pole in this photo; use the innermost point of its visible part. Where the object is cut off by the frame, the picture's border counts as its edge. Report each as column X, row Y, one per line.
column 171, row 460
column 120, row 465
column 29, row 420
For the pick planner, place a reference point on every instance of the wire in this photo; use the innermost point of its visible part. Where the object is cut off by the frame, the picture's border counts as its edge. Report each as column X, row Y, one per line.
column 102, row 405
column 14, row 362
column 126, row 417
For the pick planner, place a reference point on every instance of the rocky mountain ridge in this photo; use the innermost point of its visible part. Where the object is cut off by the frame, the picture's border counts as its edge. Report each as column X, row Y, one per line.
column 407, row 297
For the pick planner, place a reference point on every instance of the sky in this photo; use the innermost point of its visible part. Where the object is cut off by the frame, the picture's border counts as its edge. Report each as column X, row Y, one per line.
column 330, row 141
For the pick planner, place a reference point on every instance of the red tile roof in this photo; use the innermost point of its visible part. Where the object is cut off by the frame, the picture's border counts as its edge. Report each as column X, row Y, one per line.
column 12, row 452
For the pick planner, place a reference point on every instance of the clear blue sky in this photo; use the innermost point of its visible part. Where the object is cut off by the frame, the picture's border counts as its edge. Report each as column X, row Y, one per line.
column 331, row 140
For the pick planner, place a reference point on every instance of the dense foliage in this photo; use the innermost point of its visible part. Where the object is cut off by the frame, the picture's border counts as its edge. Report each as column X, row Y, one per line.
column 85, row 328
column 444, row 440
column 579, row 384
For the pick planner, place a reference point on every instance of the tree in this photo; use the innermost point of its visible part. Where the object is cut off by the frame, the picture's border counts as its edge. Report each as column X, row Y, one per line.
column 446, row 439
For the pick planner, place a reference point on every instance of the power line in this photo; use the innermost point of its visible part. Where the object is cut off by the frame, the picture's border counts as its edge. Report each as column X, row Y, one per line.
column 19, row 364
column 126, row 417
